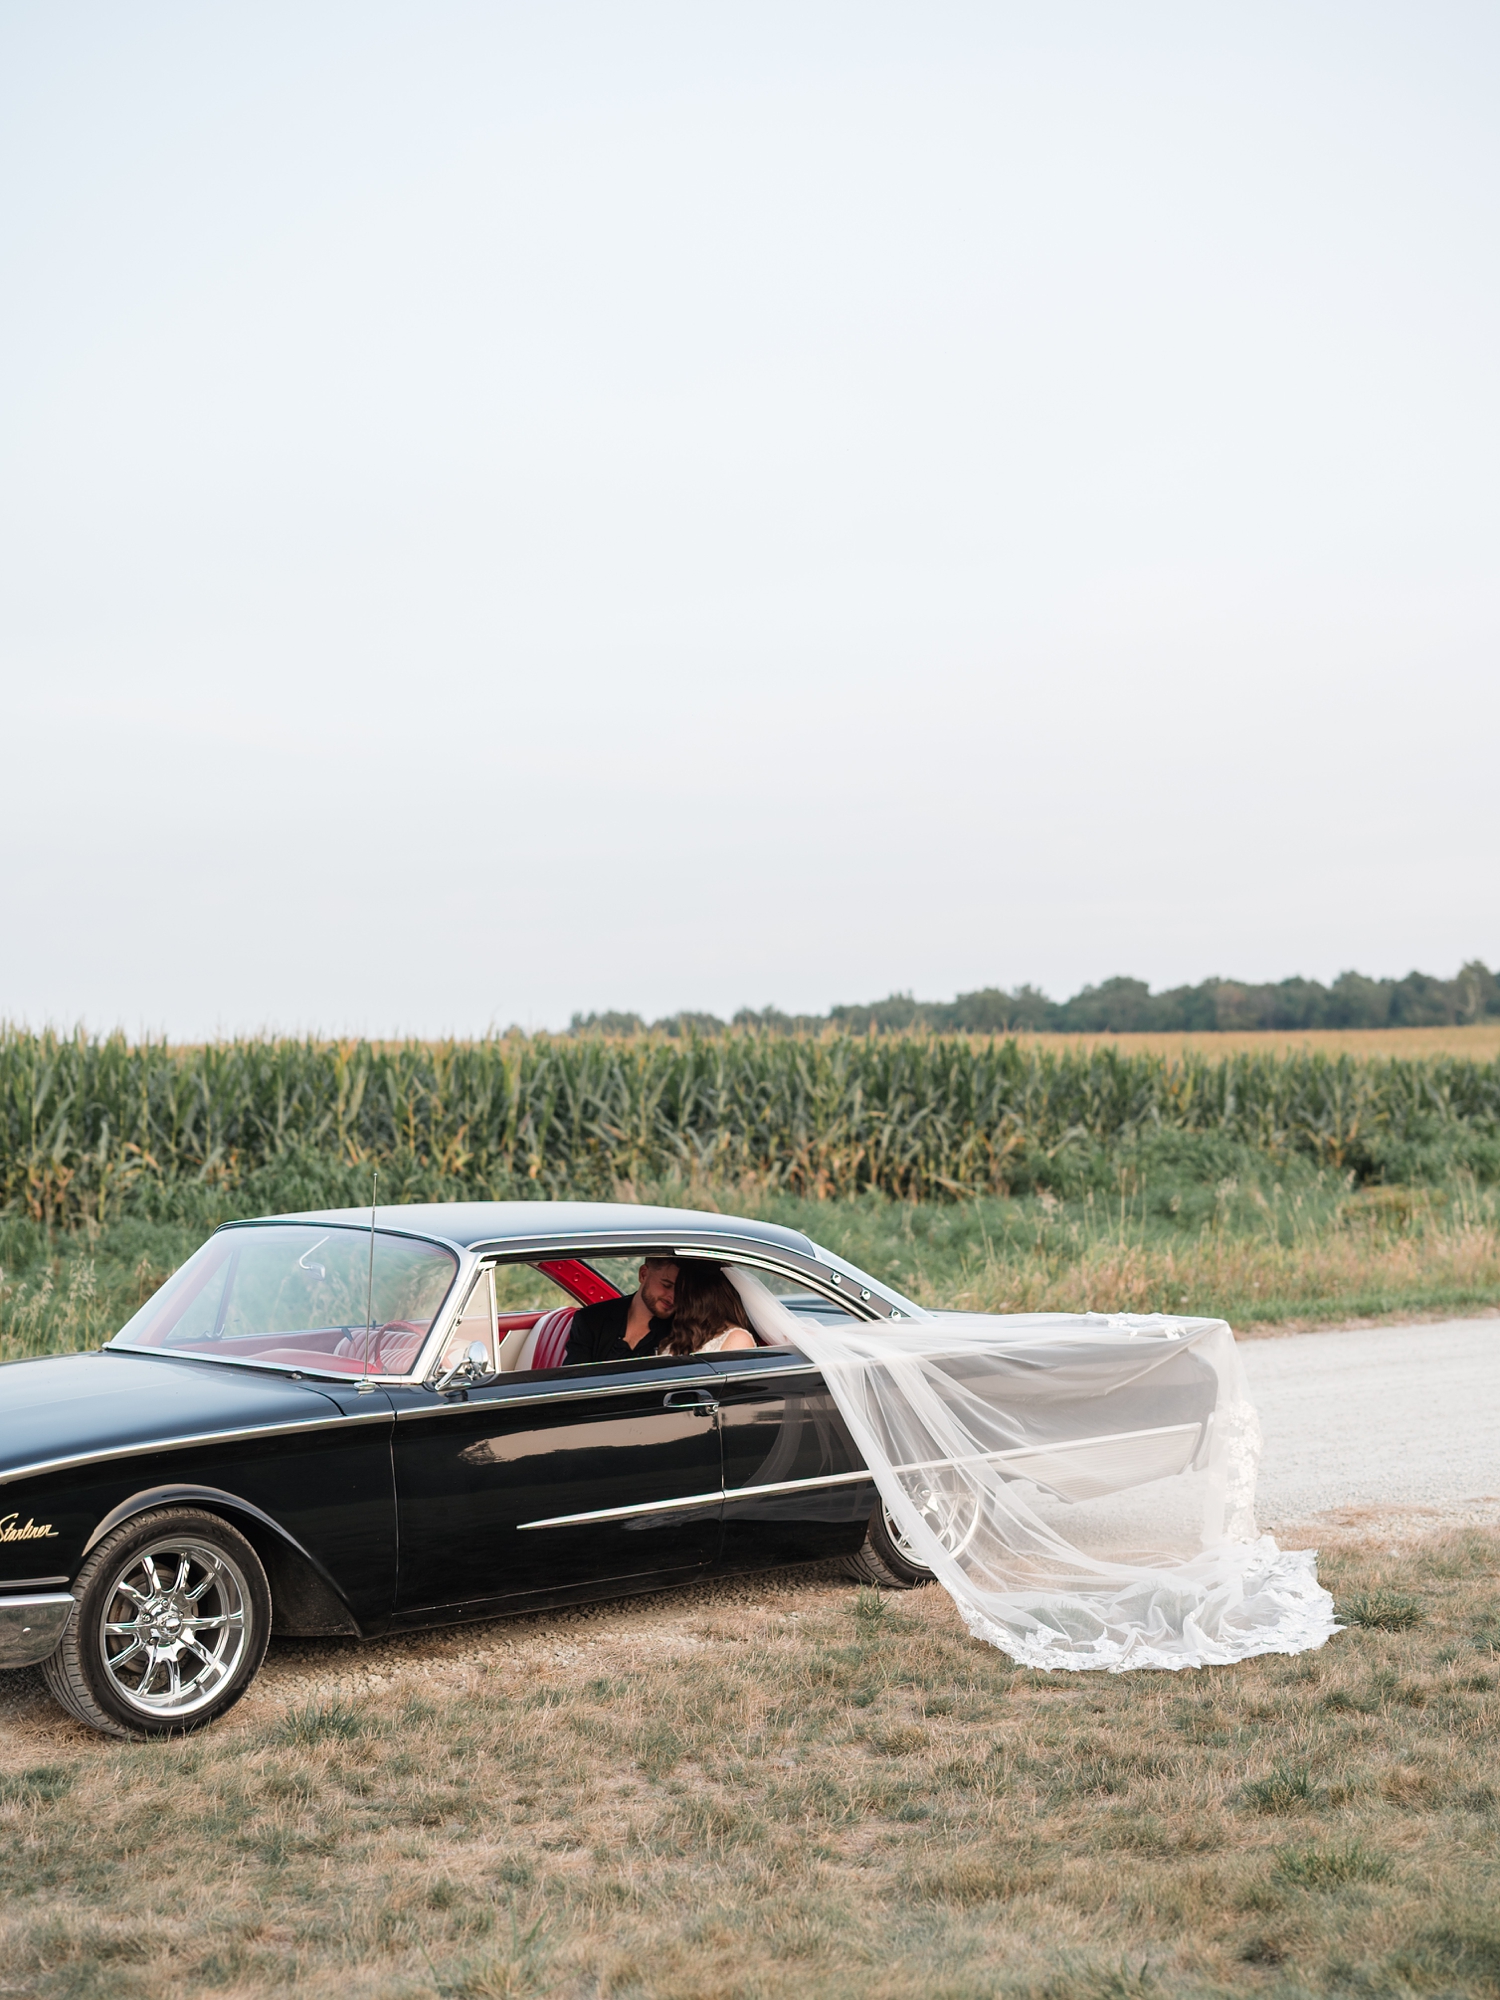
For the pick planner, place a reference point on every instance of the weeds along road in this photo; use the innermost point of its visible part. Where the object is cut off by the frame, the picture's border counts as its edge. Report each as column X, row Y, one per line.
column 1389, row 1429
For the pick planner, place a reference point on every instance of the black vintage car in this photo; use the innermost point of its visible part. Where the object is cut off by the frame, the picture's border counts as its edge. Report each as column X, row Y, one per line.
column 351, row 1424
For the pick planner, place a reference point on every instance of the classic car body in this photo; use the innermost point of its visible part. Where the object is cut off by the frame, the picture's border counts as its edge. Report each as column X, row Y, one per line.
column 319, row 1467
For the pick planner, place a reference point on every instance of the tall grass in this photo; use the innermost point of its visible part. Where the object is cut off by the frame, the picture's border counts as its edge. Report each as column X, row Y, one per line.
column 1192, row 1224
column 99, row 1128
column 1253, row 1251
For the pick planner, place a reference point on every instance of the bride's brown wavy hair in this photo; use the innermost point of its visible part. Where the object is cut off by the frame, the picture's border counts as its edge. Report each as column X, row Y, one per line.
column 706, row 1304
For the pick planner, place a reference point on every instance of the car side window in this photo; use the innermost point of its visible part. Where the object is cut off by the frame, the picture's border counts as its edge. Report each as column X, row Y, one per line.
column 475, row 1324
column 522, row 1288
column 507, row 1307
column 522, row 1311
column 794, row 1294
column 534, row 1311
column 789, row 1287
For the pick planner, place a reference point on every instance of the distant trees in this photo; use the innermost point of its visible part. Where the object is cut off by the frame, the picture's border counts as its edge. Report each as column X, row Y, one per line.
column 1122, row 1006
column 1128, row 1006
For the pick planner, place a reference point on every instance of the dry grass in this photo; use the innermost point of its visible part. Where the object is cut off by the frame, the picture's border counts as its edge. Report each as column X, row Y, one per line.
column 1479, row 1040
column 1254, row 1281
column 786, row 1788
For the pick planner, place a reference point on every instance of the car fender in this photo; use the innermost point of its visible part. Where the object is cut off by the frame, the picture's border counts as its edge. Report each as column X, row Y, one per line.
column 305, row 1600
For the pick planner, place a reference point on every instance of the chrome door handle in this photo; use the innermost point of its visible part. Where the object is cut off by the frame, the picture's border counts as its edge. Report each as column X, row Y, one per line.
column 702, row 1402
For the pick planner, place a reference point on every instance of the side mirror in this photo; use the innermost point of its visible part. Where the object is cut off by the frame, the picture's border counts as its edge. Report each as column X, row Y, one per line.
column 474, row 1367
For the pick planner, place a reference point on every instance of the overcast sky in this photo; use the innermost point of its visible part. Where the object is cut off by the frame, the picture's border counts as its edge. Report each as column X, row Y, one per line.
column 515, row 508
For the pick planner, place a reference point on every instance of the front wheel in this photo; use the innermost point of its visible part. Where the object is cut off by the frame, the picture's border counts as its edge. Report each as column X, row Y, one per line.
column 886, row 1558
column 173, row 1617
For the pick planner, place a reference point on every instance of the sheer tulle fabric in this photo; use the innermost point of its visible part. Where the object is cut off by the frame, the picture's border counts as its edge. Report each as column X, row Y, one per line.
column 1082, row 1484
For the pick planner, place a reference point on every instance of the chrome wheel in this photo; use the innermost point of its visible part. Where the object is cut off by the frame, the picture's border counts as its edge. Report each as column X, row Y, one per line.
column 952, row 1514
column 174, row 1627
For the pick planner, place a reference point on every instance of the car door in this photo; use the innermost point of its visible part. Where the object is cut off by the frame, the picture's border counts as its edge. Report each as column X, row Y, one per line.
column 556, row 1483
column 795, row 1487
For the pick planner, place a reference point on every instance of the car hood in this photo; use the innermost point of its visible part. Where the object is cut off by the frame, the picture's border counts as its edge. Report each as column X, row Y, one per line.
column 73, row 1404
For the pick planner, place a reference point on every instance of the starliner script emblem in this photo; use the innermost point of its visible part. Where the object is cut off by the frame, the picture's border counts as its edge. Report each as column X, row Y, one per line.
column 9, row 1532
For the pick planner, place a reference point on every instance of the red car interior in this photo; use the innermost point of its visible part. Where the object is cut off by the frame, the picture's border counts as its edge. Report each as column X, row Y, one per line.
column 394, row 1346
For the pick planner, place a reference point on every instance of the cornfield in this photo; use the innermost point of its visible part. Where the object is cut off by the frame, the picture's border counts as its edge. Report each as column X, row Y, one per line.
column 94, row 1128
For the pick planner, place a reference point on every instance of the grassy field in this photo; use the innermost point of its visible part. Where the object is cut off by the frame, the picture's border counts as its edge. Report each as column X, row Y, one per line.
column 1212, row 1232
column 783, row 1788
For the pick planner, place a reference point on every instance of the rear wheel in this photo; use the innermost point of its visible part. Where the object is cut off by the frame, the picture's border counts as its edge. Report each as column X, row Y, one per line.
column 173, row 1617
column 887, row 1559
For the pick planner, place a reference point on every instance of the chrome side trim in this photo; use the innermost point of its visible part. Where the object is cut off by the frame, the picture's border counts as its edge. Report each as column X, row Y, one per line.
column 623, row 1513
column 182, row 1443
column 562, row 1395
column 31, row 1627
column 696, row 1500
column 864, row 1475
column 1024, row 1451
column 797, row 1485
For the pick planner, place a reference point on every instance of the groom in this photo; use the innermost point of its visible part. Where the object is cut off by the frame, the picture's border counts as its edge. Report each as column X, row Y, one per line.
column 615, row 1329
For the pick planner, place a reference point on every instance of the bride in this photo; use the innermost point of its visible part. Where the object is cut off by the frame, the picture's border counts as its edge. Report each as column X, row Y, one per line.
column 1083, row 1485
column 708, row 1316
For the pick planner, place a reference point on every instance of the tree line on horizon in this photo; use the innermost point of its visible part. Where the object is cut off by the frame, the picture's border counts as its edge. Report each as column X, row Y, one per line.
column 1119, row 1006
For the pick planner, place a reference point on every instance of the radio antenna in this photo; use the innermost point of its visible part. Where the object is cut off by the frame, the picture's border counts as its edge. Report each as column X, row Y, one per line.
column 370, row 1279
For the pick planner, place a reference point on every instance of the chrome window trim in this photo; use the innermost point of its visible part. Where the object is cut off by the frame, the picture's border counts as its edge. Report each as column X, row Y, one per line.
column 446, row 1319
column 810, row 1273
column 198, row 1437
column 829, row 1287
column 445, row 1408
column 769, row 1374
column 317, row 1219
column 443, row 1320
column 818, row 1273
column 821, row 1271
column 699, row 1500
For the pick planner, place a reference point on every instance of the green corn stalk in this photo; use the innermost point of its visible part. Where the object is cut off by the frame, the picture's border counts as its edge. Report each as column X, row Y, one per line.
column 97, row 1127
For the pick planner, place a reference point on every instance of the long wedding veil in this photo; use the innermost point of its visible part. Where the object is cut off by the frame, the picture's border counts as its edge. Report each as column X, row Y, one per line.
column 1082, row 1484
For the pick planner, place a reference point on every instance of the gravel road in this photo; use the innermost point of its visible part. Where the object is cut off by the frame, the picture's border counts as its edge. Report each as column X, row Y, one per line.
column 1392, row 1430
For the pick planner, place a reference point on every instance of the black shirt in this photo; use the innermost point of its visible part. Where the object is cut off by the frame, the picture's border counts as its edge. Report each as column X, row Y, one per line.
column 598, row 1333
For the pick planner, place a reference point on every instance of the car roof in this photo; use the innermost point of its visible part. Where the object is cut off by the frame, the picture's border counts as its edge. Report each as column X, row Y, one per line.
column 494, row 1223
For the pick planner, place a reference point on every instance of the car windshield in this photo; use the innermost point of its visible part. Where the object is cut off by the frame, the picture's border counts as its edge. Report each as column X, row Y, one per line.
column 294, row 1294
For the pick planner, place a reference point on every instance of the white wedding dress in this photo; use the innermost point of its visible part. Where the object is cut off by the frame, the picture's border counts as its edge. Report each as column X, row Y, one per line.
column 1082, row 1484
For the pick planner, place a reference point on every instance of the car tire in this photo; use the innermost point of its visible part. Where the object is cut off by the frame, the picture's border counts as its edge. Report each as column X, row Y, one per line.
column 173, row 1618
column 884, row 1560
